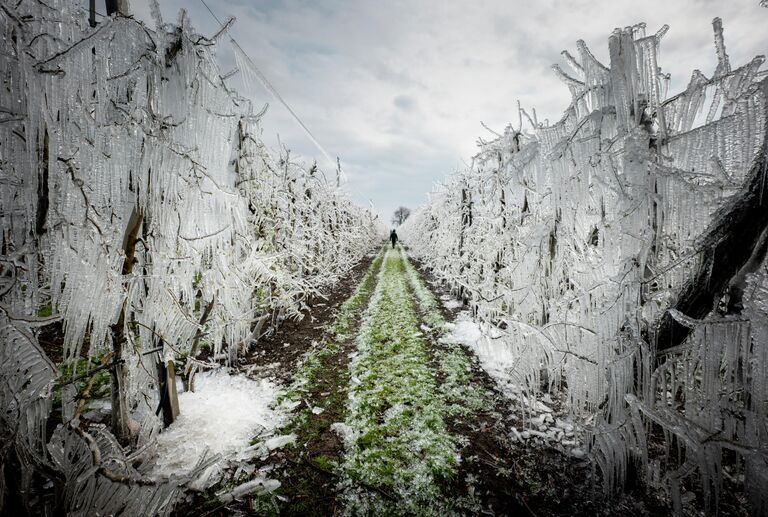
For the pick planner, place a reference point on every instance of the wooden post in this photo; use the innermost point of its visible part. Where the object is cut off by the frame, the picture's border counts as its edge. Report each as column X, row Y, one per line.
column 169, row 398
column 92, row 13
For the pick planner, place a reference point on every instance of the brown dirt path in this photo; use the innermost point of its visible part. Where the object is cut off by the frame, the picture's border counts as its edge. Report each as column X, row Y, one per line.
column 325, row 342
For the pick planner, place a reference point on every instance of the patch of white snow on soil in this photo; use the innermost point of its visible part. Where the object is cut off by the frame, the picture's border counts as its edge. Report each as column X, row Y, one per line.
column 451, row 303
column 495, row 358
column 223, row 415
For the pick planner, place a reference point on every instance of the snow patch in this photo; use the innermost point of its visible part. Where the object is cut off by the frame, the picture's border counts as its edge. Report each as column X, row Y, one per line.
column 452, row 304
column 223, row 415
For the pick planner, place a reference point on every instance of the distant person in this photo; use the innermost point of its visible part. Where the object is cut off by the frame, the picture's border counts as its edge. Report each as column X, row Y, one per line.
column 393, row 238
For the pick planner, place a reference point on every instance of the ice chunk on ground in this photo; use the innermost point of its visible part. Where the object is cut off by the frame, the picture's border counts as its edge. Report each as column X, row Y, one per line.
column 223, row 414
column 278, row 442
column 259, row 485
column 344, row 431
column 578, row 453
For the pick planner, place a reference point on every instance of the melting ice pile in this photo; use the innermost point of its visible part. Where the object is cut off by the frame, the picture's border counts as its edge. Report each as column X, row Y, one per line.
column 496, row 360
column 221, row 417
column 543, row 423
column 620, row 253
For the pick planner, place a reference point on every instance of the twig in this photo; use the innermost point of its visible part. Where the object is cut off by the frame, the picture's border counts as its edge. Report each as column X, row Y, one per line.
column 103, row 366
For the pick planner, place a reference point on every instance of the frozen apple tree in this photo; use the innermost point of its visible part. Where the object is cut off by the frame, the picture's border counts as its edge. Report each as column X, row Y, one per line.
column 141, row 218
column 621, row 252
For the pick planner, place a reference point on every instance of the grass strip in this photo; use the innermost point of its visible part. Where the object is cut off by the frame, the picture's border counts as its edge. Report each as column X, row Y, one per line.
column 399, row 442
column 462, row 395
column 311, row 367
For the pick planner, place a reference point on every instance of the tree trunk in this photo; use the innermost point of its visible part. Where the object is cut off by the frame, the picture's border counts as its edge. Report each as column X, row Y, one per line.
column 119, row 7
column 42, row 186
column 121, row 427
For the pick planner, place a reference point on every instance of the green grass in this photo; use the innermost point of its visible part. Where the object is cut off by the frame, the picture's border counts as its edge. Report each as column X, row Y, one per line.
column 314, row 365
column 343, row 328
column 72, row 368
column 76, row 367
column 463, row 396
column 403, row 447
column 398, row 394
column 45, row 311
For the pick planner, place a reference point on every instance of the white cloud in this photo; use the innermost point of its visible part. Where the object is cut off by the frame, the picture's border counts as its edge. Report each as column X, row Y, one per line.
column 398, row 88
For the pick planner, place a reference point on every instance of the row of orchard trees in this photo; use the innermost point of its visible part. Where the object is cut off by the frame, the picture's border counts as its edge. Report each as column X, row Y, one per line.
column 600, row 246
column 140, row 211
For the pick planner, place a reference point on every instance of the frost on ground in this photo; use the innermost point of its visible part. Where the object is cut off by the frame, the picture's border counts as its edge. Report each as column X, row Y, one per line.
column 402, row 447
column 222, row 416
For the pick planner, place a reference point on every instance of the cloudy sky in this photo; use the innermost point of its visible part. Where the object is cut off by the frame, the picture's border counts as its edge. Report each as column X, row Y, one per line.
column 398, row 88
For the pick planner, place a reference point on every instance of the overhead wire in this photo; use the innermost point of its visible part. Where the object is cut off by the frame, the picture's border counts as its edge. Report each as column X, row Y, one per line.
column 273, row 91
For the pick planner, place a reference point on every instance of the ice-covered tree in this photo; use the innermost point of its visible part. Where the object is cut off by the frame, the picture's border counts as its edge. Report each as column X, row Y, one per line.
column 141, row 213
column 619, row 253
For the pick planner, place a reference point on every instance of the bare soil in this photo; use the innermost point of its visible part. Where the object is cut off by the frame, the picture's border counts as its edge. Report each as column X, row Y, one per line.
column 281, row 351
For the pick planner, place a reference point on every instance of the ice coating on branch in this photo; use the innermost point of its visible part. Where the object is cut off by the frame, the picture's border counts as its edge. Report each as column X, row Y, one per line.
column 140, row 210
column 573, row 240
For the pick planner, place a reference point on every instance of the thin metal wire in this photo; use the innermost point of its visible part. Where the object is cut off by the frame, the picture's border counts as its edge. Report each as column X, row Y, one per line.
column 271, row 89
